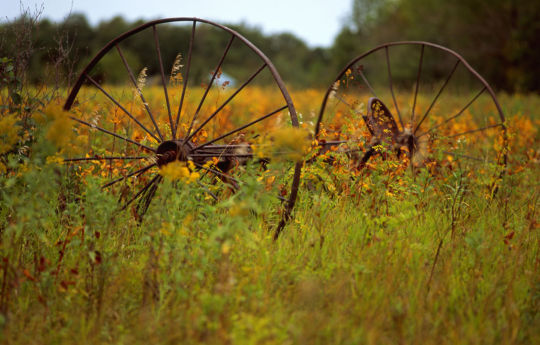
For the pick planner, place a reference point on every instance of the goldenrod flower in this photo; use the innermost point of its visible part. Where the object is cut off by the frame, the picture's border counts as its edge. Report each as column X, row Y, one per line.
column 8, row 133
column 56, row 159
column 226, row 247
column 59, row 128
column 181, row 171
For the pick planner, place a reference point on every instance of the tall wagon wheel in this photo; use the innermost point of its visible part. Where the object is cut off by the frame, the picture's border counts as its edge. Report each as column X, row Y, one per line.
column 196, row 114
column 418, row 97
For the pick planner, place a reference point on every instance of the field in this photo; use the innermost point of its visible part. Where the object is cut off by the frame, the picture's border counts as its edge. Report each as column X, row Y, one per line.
column 377, row 256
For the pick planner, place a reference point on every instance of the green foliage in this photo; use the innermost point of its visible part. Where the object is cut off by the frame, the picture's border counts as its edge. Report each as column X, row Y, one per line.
column 300, row 65
column 493, row 36
column 13, row 85
column 376, row 258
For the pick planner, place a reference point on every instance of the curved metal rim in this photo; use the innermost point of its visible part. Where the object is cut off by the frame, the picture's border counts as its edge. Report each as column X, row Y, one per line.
column 423, row 43
column 113, row 42
column 277, row 78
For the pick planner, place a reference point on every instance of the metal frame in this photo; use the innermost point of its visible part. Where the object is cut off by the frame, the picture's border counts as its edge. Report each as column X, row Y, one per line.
column 198, row 153
column 422, row 44
column 183, row 149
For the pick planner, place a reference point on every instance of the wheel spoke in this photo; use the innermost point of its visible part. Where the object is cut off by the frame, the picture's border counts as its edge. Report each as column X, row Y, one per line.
column 96, row 84
column 289, row 204
column 138, row 172
column 391, row 85
column 455, row 116
column 104, row 158
column 148, row 198
column 112, row 133
column 341, row 100
column 144, row 189
column 139, row 91
column 223, row 147
column 226, row 102
column 281, row 198
column 437, row 96
column 217, row 155
column 188, row 65
column 360, row 70
column 241, row 128
column 463, row 156
column 208, row 191
column 218, row 67
column 156, row 40
column 474, row 131
column 417, row 83
column 219, row 173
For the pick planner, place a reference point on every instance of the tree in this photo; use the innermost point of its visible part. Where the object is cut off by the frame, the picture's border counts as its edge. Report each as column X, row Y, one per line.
column 497, row 37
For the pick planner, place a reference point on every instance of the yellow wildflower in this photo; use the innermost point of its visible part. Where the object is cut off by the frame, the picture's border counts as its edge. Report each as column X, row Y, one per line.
column 55, row 159
column 378, row 148
column 8, row 133
column 182, row 171
column 59, row 131
column 225, row 247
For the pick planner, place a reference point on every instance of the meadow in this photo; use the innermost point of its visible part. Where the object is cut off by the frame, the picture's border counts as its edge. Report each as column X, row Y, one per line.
column 373, row 256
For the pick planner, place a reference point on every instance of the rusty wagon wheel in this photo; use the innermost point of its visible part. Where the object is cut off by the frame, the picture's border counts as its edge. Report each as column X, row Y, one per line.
column 196, row 114
column 417, row 100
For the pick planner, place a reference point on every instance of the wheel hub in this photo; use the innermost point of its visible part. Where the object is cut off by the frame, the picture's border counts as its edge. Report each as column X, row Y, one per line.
column 408, row 139
column 172, row 150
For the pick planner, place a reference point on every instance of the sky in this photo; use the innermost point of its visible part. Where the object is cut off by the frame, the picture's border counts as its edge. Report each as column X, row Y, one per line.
column 317, row 22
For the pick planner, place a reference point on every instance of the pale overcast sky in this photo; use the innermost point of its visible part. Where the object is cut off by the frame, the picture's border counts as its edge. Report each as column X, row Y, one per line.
column 315, row 21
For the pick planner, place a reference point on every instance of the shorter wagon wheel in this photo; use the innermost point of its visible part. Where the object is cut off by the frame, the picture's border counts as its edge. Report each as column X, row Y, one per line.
column 422, row 101
column 173, row 102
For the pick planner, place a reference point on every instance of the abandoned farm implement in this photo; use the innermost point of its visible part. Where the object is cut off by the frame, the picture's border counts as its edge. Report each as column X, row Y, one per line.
column 184, row 123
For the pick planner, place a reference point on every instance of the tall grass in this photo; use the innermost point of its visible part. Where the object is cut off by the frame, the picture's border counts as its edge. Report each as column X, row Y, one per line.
column 424, row 259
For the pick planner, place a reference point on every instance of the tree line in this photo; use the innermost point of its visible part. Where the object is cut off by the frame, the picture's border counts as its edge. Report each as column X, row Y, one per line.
column 499, row 38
